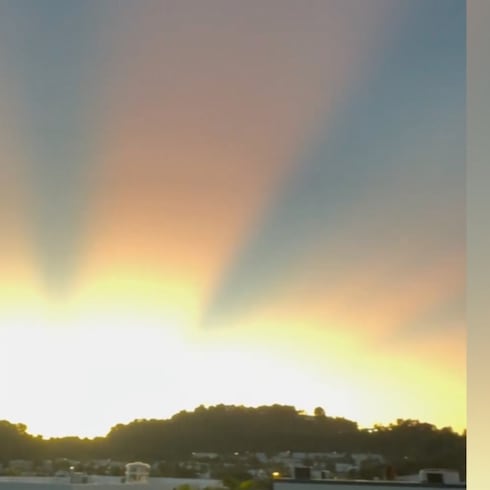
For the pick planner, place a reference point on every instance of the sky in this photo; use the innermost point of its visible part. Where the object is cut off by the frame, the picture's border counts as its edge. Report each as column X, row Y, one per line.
column 231, row 202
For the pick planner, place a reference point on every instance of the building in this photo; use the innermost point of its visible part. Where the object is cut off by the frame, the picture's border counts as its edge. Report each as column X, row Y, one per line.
column 427, row 479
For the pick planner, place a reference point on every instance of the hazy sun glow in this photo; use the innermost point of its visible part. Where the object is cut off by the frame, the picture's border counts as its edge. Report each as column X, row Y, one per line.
column 244, row 203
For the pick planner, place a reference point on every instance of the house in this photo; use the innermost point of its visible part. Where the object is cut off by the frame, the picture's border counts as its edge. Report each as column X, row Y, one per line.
column 372, row 458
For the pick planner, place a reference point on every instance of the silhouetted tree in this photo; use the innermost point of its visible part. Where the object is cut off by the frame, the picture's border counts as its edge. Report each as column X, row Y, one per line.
column 319, row 412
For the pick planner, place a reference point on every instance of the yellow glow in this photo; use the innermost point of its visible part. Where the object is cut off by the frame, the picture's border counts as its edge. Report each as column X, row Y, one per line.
column 130, row 346
column 92, row 370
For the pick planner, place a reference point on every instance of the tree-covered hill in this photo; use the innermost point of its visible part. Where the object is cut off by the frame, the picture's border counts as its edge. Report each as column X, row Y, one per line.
column 408, row 444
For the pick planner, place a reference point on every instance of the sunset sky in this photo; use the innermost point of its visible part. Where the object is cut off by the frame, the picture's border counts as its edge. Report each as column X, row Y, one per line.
column 216, row 201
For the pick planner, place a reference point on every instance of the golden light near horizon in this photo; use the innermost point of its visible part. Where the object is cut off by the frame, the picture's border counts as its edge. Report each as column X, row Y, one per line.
column 126, row 363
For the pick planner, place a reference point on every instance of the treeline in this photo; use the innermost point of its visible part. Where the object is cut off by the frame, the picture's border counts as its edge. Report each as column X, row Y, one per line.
column 407, row 444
